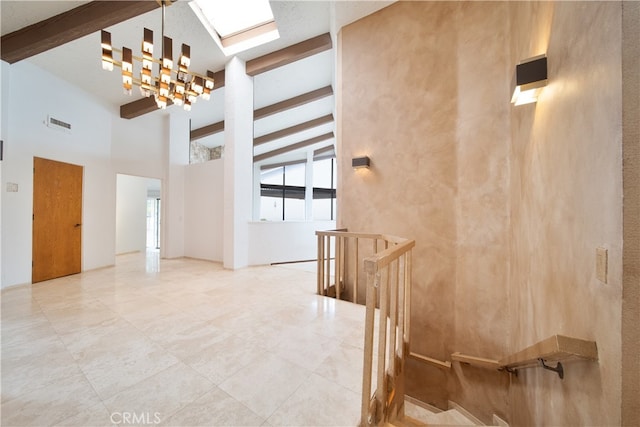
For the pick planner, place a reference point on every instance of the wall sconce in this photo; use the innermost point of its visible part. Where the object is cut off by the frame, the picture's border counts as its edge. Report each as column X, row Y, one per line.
column 530, row 78
column 360, row 162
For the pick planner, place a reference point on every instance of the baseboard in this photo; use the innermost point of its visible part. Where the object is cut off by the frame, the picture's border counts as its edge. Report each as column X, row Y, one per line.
column 128, row 253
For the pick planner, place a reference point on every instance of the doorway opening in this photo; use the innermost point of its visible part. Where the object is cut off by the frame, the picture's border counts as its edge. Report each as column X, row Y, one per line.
column 138, row 215
column 153, row 223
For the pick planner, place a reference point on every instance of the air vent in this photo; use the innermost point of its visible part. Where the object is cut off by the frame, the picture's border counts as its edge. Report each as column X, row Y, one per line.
column 58, row 124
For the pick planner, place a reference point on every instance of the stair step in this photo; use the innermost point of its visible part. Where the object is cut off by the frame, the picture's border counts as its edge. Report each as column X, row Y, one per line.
column 406, row 422
column 452, row 417
column 419, row 413
column 416, row 415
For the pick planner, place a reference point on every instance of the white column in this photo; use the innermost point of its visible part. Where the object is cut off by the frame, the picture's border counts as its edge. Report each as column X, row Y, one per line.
column 256, row 193
column 176, row 159
column 238, row 164
column 308, row 195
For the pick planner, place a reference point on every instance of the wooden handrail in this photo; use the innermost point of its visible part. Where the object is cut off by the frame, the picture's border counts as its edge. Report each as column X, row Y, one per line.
column 442, row 364
column 476, row 361
column 345, row 266
column 389, row 280
column 557, row 348
column 382, row 259
column 342, row 232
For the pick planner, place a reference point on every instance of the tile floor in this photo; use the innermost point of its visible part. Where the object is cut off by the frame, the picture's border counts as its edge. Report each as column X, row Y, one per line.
column 180, row 343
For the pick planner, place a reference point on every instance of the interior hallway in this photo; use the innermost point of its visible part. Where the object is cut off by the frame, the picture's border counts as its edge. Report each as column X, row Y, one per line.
column 183, row 342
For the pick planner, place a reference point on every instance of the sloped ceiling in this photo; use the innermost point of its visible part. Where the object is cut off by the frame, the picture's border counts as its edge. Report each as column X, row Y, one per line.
column 79, row 61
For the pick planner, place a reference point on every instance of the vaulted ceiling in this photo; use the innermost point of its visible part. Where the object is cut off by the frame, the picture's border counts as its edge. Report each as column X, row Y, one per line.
column 279, row 92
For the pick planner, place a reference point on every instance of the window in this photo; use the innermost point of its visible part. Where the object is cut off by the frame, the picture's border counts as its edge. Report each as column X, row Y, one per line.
column 236, row 25
column 282, row 193
column 324, row 190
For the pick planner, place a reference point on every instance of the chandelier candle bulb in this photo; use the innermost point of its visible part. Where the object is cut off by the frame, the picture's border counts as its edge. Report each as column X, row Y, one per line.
column 167, row 54
column 185, row 57
column 147, row 41
column 209, row 83
column 107, row 51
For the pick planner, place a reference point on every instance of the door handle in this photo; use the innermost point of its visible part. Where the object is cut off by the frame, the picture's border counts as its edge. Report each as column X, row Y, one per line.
column 77, row 225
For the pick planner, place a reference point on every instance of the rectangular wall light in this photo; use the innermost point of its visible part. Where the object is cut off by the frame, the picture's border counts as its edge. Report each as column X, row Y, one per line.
column 530, row 78
column 360, row 162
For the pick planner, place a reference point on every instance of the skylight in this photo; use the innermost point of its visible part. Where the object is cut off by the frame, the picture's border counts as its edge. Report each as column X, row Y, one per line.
column 237, row 25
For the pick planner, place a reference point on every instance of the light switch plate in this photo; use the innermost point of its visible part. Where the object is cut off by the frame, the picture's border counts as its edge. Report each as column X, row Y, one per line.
column 601, row 264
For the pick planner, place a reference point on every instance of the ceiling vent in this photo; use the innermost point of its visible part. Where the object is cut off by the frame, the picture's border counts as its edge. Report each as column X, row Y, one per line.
column 58, row 124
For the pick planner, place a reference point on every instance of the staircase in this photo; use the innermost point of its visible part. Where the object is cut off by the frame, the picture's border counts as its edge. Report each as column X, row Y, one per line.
column 383, row 264
column 423, row 415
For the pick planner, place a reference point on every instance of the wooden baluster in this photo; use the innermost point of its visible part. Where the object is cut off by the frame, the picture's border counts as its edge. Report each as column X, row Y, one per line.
column 356, row 269
column 393, row 316
column 381, row 392
column 338, row 265
column 327, row 278
column 368, row 350
column 320, row 267
column 407, row 290
column 402, row 266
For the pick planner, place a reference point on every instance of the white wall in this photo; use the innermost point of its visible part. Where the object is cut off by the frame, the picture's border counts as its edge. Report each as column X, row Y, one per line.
column 31, row 96
column 137, row 145
column 238, row 161
column 176, row 158
column 154, row 146
column 203, row 210
column 4, row 115
column 131, row 214
column 271, row 242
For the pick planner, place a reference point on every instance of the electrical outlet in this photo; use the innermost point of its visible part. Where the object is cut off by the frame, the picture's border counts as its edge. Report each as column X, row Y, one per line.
column 601, row 264
column 12, row 187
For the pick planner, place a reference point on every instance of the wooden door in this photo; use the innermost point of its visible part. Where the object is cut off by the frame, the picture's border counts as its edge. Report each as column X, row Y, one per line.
column 57, row 219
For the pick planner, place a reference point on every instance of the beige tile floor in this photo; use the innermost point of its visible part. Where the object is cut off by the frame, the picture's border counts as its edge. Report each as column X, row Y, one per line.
column 180, row 343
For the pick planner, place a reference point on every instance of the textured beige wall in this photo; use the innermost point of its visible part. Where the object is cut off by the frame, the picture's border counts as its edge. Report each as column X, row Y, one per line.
column 482, row 203
column 566, row 201
column 425, row 91
column 398, row 105
column 507, row 205
column 631, row 213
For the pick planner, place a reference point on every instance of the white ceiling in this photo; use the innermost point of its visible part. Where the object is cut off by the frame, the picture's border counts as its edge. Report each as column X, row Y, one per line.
column 299, row 20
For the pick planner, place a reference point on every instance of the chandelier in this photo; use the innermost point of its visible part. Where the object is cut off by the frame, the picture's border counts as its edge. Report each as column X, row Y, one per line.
column 180, row 85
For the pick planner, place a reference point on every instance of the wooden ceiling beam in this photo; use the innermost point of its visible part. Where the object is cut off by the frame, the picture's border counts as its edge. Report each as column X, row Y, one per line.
column 293, row 147
column 218, row 79
column 257, row 114
column 207, row 130
column 325, row 150
column 68, row 26
column 140, row 107
column 293, row 129
column 289, row 54
column 297, row 101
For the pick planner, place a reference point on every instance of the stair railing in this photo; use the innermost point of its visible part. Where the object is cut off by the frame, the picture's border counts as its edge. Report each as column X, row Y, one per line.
column 340, row 253
column 389, row 283
column 383, row 263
